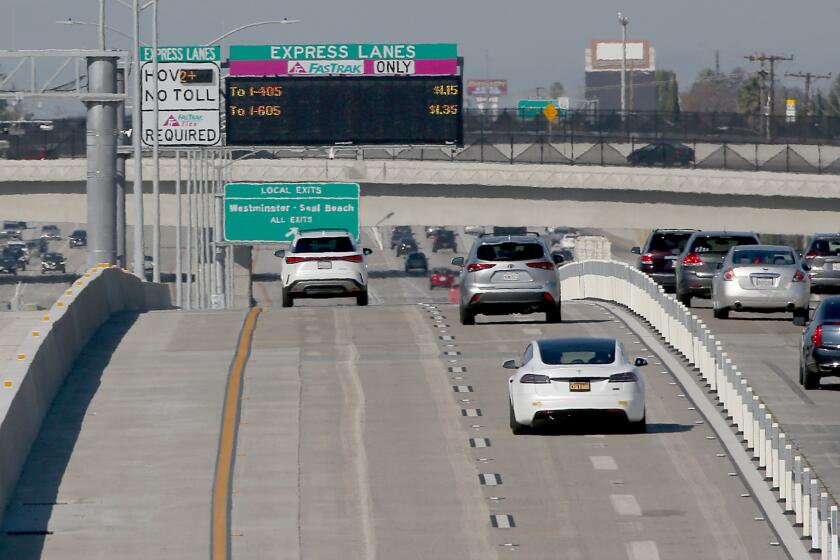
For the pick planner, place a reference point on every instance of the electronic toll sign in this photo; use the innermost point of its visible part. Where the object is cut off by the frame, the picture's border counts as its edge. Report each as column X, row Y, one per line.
column 360, row 110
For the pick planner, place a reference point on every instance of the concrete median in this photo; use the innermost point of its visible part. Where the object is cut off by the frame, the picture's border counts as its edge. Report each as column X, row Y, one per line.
column 31, row 378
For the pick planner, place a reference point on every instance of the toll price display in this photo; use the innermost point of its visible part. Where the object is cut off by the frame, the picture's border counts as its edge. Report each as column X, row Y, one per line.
column 359, row 110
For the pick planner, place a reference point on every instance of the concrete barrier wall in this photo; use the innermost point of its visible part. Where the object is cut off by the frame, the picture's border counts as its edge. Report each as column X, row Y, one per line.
column 31, row 378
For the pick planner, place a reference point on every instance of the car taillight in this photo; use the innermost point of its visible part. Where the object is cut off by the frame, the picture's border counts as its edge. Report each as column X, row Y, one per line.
column 816, row 338
column 545, row 265
column 351, row 258
column 475, row 267
column 692, row 259
column 799, row 276
column 811, row 254
column 647, row 258
column 624, row 377
column 729, row 275
column 534, row 378
column 294, row 260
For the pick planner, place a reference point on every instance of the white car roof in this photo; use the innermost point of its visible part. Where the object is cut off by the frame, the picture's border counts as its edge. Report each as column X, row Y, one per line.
column 322, row 233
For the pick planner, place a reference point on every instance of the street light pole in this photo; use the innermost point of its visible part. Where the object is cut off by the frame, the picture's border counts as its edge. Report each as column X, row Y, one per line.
column 623, row 20
column 136, row 125
column 101, row 25
column 155, row 152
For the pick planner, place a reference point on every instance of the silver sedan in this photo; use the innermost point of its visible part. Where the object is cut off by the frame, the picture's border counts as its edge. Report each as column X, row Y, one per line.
column 764, row 279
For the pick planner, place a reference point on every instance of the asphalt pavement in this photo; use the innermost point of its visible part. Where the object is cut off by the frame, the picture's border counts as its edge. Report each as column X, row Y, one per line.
column 365, row 432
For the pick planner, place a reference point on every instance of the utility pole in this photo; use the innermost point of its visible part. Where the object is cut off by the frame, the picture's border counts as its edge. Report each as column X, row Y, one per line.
column 624, row 21
column 771, row 93
column 808, row 77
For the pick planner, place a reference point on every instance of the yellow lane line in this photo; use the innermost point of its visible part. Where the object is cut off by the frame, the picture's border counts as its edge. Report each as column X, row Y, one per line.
column 220, row 529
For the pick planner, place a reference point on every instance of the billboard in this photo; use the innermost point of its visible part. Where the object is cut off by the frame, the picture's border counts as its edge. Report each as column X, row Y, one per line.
column 606, row 55
column 487, row 88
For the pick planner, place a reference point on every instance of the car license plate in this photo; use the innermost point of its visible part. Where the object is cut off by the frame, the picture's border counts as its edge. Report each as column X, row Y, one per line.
column 511, row 276
column 578, row 386
column 324, row 264
column 836, row 266
column 763, row 282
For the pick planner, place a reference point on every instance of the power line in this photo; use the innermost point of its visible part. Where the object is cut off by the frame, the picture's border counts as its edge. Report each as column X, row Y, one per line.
column 808, row 77
column 772, row 59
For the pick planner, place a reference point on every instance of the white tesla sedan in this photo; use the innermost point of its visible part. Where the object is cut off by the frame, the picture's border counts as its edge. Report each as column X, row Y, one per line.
column 568, row 377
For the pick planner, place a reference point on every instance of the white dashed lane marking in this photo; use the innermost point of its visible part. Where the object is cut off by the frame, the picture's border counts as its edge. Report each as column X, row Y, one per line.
column 603, row 463
column 642, row 550
column 470, row 412
column 462, row 388
column 502, row 521
column 490, row 479
column 479, row 442
column 625, row 504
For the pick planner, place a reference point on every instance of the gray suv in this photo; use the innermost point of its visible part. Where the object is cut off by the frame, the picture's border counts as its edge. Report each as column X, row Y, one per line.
column 509, row 274
column 701, row 258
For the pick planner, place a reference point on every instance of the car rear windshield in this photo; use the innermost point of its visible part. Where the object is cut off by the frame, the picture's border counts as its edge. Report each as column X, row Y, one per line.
column 762, row 257
column 720, row 244
column 825, row 246
column 673, row 243
column 830, row 309
column 577, row 351
column 445, row 235
column 510, row 251
column 324, row 245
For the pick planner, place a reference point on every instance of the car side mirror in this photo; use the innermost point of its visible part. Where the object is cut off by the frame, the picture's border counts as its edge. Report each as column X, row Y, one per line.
column 366, row 251
column 636, row 250
column 458, row 261
column 640, row 362
column 806, row 267
column 510, row 364
column 558, row 259
column 280, row 253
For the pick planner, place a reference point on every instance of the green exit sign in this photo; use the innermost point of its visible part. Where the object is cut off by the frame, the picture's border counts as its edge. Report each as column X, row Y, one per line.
column 529, row 108
column 274, row 212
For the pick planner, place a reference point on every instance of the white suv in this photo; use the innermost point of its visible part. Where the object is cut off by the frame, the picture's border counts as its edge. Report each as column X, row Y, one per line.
column 323, row 264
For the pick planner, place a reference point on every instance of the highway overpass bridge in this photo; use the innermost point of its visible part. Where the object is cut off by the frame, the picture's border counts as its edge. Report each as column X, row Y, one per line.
column 487, row 193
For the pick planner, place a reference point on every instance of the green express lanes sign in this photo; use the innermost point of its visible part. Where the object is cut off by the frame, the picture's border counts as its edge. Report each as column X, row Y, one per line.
column 273, row 212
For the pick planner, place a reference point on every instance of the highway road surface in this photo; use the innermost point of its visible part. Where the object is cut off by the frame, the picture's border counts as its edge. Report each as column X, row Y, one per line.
column 364, row 432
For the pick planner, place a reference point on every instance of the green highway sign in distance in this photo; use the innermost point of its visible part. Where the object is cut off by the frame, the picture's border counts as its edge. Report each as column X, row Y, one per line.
column 377, row 51
column 273, row 212
column 208, row 53
column 527, row 108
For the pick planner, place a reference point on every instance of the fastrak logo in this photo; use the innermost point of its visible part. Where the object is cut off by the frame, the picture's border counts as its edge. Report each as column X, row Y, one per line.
column 171, row 121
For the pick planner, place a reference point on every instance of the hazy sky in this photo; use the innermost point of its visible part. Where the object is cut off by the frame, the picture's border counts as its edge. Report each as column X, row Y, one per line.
column 529, row 42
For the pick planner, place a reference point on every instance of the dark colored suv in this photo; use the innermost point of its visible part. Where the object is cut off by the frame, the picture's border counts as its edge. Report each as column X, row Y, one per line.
column 701, row 258
column 444, row 239
column 660, row 252
column 666, row 154
column 820, row 348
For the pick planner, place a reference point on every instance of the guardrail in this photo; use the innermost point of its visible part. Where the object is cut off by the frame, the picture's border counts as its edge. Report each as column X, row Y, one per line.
column 31, row 378
column 794, row 483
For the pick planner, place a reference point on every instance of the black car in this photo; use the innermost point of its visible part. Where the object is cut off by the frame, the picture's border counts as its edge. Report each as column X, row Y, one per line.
column 399, row 233
column 416, row 263
column 11, row 225
column 406, row 246
column 659, row 254
column 53, row 262
column 37, row 247
column 507, row 230
column 78, row 238
column 17, row 253
column 8, row 264
column 445, row 239
column 666, row 154
column 820, row 348
column 50, row 231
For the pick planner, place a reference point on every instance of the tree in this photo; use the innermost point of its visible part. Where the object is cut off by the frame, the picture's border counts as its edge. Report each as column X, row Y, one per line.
column 749, row 96
column 832, row 107
column 818, row 104
column 667, row 92
column 556, row 90
column 713, row 92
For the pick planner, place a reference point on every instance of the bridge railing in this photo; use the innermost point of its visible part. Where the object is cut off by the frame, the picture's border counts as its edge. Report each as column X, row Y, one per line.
column 32, row 377
column 789, row 474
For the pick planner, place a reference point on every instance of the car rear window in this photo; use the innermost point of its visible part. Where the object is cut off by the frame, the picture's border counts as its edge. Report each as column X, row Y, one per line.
column 720, row 243
column 445, row 235
column 830, row 309
column 577, row 351
column 324, row 245
column 763, row 257
column 825, row 246
column 510, row 251
column 668, row 242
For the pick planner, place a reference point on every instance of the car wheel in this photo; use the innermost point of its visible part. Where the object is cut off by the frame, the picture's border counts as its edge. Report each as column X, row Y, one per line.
column 288, row 300
column 639, row 427
column 722, row 313
column 684, row 299
column 553, row 315
column 800, row 316
column 810, row 380
column 515, row 426
column 801, row 374
column 362, row 299
column 467, row 317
